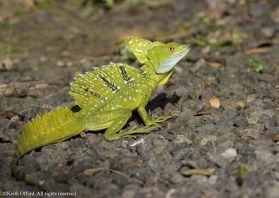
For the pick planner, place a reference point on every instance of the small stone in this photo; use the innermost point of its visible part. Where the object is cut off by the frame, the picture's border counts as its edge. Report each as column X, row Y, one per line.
column 43, row 59
column 264, row 155
column 82, row 134
column 35, row 93
column 221, row 161
column 128, row 194
column 15, row 118
column 212, row 179
column 200, row 63
column 69, row 64
column 6, row 65
column 273, row 191
column 60, row 63
column 176, row 178
column 230, row 154
column 229, row 105
column 199, row 178
column 252, row 116
column 124, row 143
column 206, row 139
column 170, row 193
column 182, row 139
column 268, row 31
column 251, row 98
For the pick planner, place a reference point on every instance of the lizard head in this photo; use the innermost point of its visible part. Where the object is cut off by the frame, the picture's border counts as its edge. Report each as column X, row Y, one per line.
column 163, row 57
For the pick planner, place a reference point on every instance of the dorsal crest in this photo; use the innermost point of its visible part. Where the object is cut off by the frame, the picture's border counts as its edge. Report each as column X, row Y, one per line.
column 139, row 47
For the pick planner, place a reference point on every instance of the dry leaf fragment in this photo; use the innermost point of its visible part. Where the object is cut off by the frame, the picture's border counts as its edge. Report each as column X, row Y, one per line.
column 214, row 102
column 82, row 134
column 272, row 136
column 6, row 138
column 214, row 64
column 6, row 65
column 200, row 113
column 207, row 172
column 240, row 104
column 259, row 50
column 92, row 171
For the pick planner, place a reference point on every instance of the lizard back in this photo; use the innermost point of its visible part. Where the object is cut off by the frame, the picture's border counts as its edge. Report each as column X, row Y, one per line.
column 108, row 83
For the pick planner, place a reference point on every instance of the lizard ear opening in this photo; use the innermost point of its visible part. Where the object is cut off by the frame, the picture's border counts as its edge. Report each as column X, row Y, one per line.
column 139, row 47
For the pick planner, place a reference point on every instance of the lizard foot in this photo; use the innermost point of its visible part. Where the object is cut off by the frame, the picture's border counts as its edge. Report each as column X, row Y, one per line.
column 135, row 130
column 154, row 121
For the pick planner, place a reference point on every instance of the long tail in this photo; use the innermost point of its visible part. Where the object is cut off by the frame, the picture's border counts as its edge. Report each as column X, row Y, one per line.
column 51, row 127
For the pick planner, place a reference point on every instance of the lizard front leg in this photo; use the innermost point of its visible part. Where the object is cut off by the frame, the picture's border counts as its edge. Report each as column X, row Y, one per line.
column 149, row 120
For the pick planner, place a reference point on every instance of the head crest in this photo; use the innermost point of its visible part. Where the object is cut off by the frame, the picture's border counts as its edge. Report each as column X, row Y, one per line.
column 162, row 57
column 139, row 47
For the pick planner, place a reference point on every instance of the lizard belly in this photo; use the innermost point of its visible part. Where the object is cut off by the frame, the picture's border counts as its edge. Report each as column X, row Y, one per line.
column 97, row 127
column 104, row 117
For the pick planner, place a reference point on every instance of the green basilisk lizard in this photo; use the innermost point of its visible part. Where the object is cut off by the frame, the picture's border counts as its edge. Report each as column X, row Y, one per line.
column 106, row 97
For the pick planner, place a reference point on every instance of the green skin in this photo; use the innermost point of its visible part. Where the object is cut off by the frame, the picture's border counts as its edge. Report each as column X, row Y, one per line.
column 107, row 96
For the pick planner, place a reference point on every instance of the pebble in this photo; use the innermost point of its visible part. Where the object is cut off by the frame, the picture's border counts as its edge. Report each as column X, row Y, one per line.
column 182, row 139
column 230, row 154
column 60, row 63
column 6, row 65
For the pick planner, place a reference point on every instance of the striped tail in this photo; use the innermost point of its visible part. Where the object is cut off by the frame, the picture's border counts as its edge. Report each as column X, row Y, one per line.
column 51, row 127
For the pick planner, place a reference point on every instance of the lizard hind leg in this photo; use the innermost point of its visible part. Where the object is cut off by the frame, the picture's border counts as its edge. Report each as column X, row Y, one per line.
column 114, row 131
column 123, row 116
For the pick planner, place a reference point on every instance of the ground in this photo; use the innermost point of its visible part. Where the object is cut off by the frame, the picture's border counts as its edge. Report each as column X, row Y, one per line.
column 223, row 140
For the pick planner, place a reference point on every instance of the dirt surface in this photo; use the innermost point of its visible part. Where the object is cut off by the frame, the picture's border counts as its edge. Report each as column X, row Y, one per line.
column 223, row 141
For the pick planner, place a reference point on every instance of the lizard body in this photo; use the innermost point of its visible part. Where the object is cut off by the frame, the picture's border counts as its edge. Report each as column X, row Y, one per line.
column 106, row 97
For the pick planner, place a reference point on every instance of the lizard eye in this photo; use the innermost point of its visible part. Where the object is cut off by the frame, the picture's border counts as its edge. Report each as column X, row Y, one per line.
column 171, row 49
